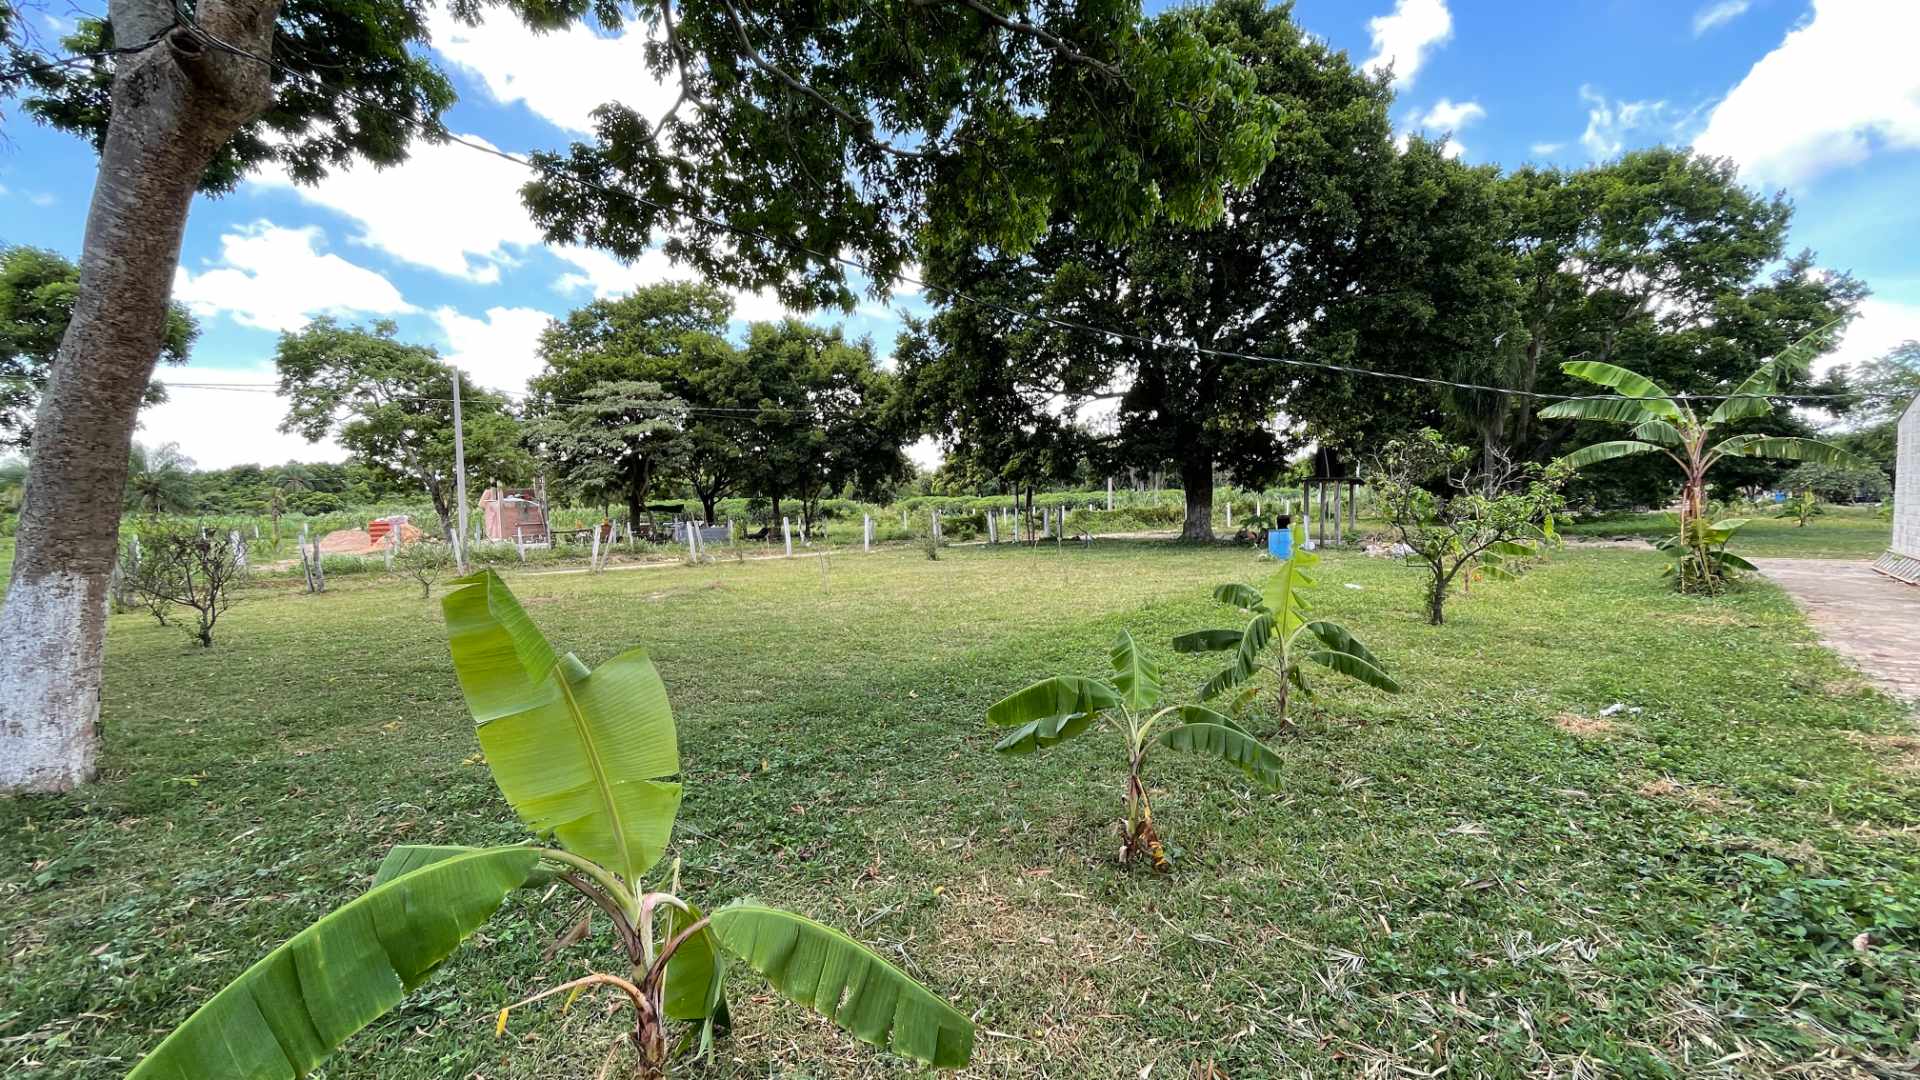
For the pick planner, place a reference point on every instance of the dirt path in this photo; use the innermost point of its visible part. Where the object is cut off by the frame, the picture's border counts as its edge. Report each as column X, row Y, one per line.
column 1872, row 620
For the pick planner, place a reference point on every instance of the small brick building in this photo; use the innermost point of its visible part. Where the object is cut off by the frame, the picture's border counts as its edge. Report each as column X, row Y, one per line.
column 513, row 515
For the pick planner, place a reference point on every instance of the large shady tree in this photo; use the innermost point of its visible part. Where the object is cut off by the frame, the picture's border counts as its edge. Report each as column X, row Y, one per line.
column 1199, row 305
column 855, row 129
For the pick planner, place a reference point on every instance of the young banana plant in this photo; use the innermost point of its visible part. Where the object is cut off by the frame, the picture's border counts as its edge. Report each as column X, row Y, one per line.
column 584, row 759
column 1056, row 709
column 1280, row 638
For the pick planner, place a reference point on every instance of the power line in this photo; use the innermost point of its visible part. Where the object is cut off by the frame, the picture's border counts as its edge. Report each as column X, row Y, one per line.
column 502, row 397
column 58, row 62
column 993, row 305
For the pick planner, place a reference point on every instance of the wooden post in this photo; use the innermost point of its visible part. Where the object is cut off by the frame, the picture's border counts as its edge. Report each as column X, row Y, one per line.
column 319, row 569
column 993, row 536
column 593, row 556
column 1338, row 521
column 306, row 567
column 520, row 542
column 459, row 476
column 786, row 534
column 239, row 549
column 693, row 541
column 1323, row 512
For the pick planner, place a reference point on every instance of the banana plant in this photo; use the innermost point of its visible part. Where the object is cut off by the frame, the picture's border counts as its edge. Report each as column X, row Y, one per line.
column 1802, row 508
column 1280, row 638
column 1701, row 561
column 1663, row 423
column 1053, row 710
column 584, row 758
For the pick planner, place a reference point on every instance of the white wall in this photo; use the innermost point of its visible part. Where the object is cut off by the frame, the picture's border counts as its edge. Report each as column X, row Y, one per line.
column 1906, row 496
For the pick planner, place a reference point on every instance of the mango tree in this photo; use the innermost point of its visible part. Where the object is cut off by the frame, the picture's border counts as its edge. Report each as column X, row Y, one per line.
column 584, row 759
column 1056, row 709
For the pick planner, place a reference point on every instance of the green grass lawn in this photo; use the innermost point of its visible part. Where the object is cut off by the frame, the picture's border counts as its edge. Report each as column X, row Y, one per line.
column 1839, row 532
column 1481, row 876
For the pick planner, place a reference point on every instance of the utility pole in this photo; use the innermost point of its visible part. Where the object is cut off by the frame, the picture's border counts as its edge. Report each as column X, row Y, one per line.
column 459, row 478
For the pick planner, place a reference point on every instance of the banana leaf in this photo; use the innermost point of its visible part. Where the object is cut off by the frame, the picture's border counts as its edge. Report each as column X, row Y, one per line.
column 696, row 972
column 844, row 981
column 1779, row 448
column 1244, row 597
column 1604, row 410
column 1607, row 451
column 1231, row 745
column 1645, row 391
column 1044, row 732
column 1354, row 668
column 287, row 1012
column 1207, row 641
column 1753, row 396
column 1135, row 676
column 1337, row 638
column 1056, row 698
column 579, row 755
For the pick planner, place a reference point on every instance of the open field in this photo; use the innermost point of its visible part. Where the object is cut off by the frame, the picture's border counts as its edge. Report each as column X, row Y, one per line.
column 1482, row 874
column 1839, row 532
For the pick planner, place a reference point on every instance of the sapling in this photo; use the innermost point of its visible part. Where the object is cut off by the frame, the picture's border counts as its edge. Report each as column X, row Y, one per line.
column 1279, row 639
column 584, row 758
column 1053, row 710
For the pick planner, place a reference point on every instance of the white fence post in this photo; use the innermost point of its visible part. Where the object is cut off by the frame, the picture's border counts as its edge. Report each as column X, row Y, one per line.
column 993, row 536
column 593, row 557
column 1109, row 492
column 1229, row 513
column 866, row 532
column 786, row 534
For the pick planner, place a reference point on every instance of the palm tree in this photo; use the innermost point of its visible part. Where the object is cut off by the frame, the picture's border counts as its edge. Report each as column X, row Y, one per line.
column 160, row 480
column 1663, row 423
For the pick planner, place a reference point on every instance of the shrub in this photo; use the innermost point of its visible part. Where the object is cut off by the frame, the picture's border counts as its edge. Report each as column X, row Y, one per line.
column 180, row 568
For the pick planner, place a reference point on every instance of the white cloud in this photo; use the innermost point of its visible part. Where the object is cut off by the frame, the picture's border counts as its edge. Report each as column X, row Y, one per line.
column 1546, row 149
column 276, row 278
column 41, row 199
column 1718, row 14
column 448, row 208
column 1841, row 84
column 1453, row 148
column 499, row 351
column 219, row 428
column 1402, row 39
column 1875, row 331
column 561, row 76
column 1448, row 115
column 1611, row 123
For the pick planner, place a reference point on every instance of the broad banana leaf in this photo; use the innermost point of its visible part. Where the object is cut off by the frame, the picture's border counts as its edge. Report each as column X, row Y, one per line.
column 1607, row 451
column 1135, row 676
column 1338, row 639
column 1604, row 410
column 1057, row 698
column 1784, row 449
column 498, row 653
column 1753, row 396
column 1200, row 714
column 1354, row 668
column 1044, row 732
column 1512, row 549
column 696, row 972
column 844, row 981
column 1658, row 431
column 1246, row 657
column 1728, row 558
column 577, row 755
column 287, row 1012
column 406, row 858
column 1644, row 390
column 1231, row 745
column 1244, row 597
column 1207, row 641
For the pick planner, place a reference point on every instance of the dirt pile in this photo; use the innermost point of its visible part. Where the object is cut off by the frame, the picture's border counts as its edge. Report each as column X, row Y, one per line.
column 359, row 542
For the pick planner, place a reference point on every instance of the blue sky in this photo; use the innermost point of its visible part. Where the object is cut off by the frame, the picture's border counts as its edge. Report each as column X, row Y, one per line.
column 1819, row 97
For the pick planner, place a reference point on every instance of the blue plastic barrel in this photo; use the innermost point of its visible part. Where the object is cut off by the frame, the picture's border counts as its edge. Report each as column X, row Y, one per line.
column 1280, row 543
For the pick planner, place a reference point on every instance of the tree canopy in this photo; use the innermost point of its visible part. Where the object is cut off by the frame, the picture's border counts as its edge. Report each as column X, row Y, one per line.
column 37, row 288
column 391, row 405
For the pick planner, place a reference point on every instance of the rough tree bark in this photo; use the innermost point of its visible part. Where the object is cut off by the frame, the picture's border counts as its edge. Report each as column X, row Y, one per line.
column 174, row 104
column 1196, row 477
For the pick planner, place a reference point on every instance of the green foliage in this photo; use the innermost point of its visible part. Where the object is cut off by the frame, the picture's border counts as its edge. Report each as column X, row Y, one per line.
column 581, row 756
column 37, row 288
column 1847, row 483
column 1699, row 561
column 886, row 131
column 1453, row 514
column 1059, row 708
column 1280, row 637
column 391, row 405
column 159, row 481
column 1802, row 507
column 1672, row 426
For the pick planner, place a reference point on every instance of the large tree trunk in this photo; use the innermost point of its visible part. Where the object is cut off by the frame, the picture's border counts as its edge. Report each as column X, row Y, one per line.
column 174, row 105
column 1196, row 476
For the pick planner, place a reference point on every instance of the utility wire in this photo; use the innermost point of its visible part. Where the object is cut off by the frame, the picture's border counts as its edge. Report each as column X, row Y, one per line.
column 58, row 62
column 992, row 305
